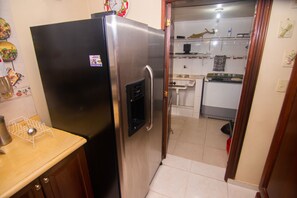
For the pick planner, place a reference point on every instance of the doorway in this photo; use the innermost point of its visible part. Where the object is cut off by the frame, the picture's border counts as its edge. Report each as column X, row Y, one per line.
column 217, row 37
column 259, row 26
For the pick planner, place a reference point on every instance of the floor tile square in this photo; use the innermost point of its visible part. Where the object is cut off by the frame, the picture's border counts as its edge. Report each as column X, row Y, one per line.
column 189, row 151
column 170, row 182
column 197, row 123
column 153, row 194
column 207, row 170
column 237, row 191
column 204, row 187
column 216, row 141
column 192, row 137
column 217, row 157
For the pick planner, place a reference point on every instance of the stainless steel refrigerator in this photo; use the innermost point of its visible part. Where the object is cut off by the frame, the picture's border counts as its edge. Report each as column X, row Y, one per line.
column 103, row 80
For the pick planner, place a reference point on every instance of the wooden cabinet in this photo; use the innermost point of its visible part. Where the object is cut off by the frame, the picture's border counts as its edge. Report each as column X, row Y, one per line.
column 68, row 178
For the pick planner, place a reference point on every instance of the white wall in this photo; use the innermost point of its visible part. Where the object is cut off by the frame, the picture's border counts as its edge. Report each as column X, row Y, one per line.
column 230, row 48
column 20, row 104
column 267, row 102
column 37, row 12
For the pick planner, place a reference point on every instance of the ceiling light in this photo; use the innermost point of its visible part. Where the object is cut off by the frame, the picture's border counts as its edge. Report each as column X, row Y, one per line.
column 219, row 9
column 219, row 5
column 214, row 43
column 218, row 15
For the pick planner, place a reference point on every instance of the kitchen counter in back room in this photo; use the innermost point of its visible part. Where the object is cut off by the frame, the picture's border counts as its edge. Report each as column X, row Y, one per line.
column 23, row 163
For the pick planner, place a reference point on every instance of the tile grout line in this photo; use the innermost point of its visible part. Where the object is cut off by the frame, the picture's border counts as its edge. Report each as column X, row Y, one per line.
column 204, row 138
column 159, row 193
column 227, row 190
column 190, row 171
column 188, row 181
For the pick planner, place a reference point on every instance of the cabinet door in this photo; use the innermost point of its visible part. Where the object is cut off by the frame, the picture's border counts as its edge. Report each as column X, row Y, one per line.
column 69, row 178
column 33, row 190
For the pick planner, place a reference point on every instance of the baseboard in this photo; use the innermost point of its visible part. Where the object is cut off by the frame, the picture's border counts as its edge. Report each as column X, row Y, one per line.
column 218, row 112
column 243, row 184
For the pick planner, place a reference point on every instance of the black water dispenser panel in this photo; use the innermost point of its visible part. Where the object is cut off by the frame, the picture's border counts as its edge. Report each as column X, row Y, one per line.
column 135, row 106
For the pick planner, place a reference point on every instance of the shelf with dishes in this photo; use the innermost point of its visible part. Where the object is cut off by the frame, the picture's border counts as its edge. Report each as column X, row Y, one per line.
column 201, row 56
column 240, row 38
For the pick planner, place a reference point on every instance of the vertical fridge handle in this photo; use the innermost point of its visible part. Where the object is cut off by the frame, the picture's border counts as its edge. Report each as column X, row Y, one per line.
column 150, row 71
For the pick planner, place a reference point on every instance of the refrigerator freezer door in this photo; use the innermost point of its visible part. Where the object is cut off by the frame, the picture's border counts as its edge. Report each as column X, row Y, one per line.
column 127, row 43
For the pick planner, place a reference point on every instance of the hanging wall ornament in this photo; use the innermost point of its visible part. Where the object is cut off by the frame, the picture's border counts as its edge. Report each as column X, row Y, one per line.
column 120, row 6
column 5, row 30
column 3, row 71
column 8, row 51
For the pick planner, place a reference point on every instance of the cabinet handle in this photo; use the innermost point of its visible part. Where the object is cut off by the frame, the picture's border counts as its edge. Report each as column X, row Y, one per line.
column 37, row 187
column 45, row 180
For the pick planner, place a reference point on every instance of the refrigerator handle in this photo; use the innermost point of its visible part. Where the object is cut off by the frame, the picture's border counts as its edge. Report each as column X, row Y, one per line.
column 150, row 71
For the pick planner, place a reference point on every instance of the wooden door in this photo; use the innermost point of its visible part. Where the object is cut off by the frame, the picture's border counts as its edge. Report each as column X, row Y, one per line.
column 169, row 28
column 279, row 177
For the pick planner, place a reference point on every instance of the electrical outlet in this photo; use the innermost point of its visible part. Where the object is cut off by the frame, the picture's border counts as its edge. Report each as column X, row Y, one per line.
column 282, row 85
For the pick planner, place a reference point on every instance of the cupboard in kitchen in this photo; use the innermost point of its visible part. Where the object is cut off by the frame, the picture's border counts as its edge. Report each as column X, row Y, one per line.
column 68, row 178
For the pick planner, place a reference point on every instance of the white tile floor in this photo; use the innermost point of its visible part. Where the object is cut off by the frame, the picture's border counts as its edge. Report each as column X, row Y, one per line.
column 199, row 139
column 183, row 178
column 195, row 163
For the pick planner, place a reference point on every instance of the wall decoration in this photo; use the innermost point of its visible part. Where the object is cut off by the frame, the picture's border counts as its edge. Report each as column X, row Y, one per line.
column 286, row 28
column 201, row 34
column 8, row 54
column 4, row 29
column 120, row 6
column 8, row 51
column 17, row 100
column 289, row 58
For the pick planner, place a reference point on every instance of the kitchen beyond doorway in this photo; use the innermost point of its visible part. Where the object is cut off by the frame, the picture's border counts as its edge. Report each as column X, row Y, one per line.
column 199, row 140
column 258, row 36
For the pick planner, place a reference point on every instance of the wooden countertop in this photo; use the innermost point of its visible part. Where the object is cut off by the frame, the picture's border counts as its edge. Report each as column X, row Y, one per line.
column 22, row 163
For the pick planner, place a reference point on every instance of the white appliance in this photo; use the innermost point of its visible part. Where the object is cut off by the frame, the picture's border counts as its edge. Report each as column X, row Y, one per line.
column 221, row 97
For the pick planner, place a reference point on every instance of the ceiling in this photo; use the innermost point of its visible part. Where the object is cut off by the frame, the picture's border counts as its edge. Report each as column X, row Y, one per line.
column 189, row 10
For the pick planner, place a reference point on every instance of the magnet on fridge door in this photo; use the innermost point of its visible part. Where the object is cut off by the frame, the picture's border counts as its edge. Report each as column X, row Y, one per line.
column 95, row 61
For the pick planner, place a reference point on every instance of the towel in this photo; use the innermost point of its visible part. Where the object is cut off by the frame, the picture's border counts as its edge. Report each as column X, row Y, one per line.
column 219, row 63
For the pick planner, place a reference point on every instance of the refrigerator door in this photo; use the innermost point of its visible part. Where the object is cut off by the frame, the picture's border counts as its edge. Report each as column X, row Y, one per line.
column 78, row 93
column 156, row 62
column 127, row 43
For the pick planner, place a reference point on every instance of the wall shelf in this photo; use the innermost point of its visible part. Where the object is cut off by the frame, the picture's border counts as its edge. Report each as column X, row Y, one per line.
column 212, row 39
column 203, row 56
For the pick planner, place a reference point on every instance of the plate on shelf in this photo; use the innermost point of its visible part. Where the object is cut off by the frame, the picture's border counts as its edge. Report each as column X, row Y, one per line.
column 8, row 51
column 5, row 30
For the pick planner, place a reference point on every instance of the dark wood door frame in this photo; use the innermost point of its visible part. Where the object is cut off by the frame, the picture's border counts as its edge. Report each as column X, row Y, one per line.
column 257, row 42
column 166, row 15
column 280, row 131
